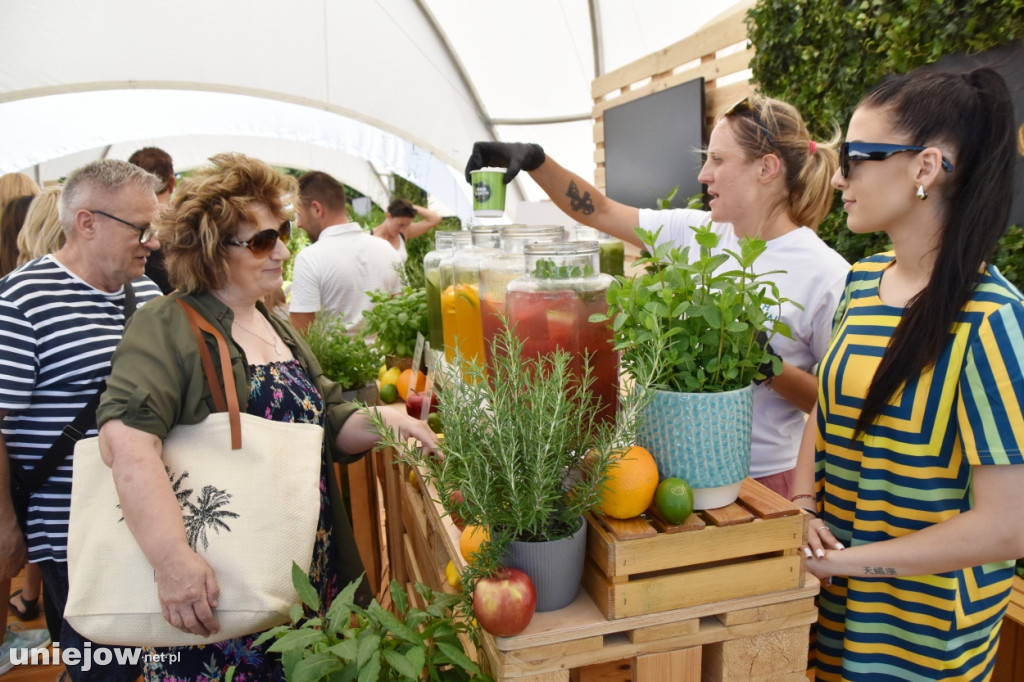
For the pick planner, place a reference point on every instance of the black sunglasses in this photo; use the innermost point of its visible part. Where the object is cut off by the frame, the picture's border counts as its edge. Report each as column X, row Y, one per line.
column 746, row 105
column 877, row 151
column 263, row 242
column 146, row 232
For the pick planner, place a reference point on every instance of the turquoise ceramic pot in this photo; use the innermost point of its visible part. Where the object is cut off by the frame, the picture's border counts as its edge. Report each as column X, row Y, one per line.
column 702, row 438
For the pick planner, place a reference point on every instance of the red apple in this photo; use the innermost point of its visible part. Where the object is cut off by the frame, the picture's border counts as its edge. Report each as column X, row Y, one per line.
column 504, row 603
column 456, row 498
column 414, row 403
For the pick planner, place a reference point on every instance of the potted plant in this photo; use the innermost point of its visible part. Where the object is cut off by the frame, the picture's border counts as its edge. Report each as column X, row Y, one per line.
column 698, row 325
column 355, row 643
column 525, row 455
column 345, row 358
column 394, row 320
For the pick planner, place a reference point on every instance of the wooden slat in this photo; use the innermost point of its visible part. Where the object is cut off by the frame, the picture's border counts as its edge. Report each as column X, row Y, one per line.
column 626, row 529
column 729, row 515
column 710, row 71
column 682, row 664
column 694, row 587
column 728, row 30
column 765, row 502
column 366, row 526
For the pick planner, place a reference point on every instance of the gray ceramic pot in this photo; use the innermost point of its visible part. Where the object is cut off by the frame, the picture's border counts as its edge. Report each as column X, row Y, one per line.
column 554, row 566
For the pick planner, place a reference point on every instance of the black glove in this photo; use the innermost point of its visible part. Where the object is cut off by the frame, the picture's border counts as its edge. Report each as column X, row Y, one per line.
column 767, row 369
column 512, row 156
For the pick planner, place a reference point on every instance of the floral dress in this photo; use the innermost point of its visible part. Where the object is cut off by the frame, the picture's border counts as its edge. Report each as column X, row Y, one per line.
column 280, row 391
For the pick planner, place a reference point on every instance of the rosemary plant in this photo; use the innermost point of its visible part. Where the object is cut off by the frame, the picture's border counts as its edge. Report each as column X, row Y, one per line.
column 522, row 444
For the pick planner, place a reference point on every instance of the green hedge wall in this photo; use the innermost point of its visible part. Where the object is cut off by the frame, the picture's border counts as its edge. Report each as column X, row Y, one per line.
column 824, row 55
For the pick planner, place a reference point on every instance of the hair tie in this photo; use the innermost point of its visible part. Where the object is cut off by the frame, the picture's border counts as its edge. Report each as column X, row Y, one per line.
column 813, row 147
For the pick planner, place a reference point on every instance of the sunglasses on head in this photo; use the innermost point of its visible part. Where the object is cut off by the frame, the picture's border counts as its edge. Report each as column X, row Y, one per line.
column 877, row 151
column 746, row 105
column 263, row 242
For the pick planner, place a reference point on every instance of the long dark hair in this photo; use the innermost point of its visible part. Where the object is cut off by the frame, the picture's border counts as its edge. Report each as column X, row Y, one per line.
column 970, row 116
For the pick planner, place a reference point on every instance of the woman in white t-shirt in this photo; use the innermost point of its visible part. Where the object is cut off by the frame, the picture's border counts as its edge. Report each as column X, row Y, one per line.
column 766, row 177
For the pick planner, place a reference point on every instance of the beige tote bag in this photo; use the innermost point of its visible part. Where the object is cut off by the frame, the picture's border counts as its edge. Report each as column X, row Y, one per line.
column 249, row 490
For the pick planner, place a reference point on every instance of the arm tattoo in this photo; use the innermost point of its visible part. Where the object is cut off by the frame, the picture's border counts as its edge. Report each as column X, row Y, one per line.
column 578, row 203
column 874, row 571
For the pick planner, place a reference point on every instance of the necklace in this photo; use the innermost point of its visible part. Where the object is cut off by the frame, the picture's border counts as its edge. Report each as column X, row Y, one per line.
column 263, row 339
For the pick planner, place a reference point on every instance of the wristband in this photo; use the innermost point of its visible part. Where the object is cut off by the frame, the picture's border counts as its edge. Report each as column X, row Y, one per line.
column 810, row 512
column 809, row 496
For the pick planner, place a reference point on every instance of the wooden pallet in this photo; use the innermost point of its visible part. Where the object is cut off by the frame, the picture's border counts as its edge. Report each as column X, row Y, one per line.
column 750, row 638
column 745, row 549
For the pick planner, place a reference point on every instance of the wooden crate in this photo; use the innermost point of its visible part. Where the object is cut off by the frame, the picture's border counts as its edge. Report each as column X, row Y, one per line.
column 747, row 548
column 751, row 638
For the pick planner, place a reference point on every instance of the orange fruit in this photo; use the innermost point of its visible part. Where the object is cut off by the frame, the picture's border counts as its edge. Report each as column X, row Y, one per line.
column 405, row 378
column 472, row 538
column 632, row 482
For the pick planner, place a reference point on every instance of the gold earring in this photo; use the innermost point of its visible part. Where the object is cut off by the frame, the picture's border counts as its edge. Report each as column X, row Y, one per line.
column 921, row 194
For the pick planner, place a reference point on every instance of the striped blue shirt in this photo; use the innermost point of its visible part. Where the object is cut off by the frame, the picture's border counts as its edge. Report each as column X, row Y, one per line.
column 58, row 337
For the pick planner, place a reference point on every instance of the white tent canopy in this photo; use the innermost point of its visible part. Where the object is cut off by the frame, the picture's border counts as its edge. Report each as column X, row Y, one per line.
column 362, row 89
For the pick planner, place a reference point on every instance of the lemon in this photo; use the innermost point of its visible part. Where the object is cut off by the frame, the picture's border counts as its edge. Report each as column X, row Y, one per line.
column 381, row 371
column 390, row 376
column 451, row 574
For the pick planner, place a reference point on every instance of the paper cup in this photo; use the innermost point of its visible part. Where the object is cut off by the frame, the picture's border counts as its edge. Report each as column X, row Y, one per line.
column 488, row 192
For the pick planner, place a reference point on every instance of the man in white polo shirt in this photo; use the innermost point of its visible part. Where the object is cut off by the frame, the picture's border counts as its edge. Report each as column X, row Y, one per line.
column 344, row 262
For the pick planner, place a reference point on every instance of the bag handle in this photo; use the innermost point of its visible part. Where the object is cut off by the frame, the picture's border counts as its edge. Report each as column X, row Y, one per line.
column 199, row 325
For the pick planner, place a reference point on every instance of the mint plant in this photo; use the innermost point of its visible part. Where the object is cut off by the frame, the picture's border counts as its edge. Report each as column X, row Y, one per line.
column 690, row 324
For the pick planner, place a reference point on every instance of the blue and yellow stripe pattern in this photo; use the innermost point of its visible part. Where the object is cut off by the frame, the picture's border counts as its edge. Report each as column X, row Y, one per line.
column 912, row 469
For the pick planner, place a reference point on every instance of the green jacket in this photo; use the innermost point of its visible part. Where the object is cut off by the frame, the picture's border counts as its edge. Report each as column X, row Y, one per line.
column 157, row 381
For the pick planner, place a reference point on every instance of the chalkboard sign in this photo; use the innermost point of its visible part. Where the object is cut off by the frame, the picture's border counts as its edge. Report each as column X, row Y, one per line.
column 653, row 144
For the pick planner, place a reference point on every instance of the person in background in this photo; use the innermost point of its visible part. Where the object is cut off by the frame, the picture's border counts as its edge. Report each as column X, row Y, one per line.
column 399, row 226
column 14, row 186
column 766, row 178
column 23, row 602
column 42, row 232
column 225, row 237
column 343, row 263
column 159, row 163
column 917, row 463
column 61, row 315
column 11, row 221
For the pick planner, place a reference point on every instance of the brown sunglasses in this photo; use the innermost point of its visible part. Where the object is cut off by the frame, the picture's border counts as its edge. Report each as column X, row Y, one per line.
column 263, row 242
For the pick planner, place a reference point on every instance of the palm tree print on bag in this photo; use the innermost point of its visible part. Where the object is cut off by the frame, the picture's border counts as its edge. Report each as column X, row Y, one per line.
column 208, row 512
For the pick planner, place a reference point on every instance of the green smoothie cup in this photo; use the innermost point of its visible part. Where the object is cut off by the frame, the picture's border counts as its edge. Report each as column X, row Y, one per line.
column 488, row 192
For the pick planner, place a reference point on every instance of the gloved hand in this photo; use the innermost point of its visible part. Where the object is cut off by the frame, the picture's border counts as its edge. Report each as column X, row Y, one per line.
column 512, row 156
column 767, row 369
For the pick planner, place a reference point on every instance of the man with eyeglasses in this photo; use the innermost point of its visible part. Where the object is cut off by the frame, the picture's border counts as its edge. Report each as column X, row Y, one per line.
column 343, row 263
column 61, row 317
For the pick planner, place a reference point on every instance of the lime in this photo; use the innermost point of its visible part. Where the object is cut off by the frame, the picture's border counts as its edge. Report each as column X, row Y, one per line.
column 434, row 422
column 388, row 393
column 674, row 500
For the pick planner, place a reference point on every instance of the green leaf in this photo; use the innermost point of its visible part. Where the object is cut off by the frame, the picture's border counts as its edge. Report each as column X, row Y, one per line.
column 346, row 650
column 298, row 639
column 314, row 668
column 370, row 671
column 406, row 664
column 368, row 647
column 305, row 589
column 458, row 657
column 389, row 621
